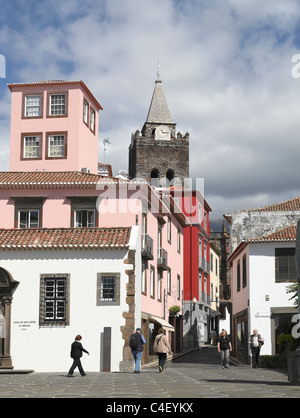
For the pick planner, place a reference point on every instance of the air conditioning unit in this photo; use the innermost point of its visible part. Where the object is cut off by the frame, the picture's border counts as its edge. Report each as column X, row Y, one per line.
column 85, row 170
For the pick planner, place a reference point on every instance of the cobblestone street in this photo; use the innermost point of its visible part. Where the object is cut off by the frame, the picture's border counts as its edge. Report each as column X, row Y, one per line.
column 194, row 375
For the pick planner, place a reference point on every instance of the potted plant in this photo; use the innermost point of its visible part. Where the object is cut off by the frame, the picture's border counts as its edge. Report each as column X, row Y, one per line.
column 173, row 310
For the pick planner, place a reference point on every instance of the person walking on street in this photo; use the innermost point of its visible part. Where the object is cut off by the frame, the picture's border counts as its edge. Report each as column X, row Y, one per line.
column 161, row 347
column 76, row 354
column 224, row 348
column 136, row 343
column 256, row 341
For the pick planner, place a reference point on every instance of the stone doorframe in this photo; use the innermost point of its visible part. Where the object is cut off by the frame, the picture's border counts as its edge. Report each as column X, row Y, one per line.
column 7, row 287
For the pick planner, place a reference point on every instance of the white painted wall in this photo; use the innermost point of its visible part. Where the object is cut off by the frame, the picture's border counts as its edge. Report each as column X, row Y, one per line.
column 262, row 283
column 48, row 349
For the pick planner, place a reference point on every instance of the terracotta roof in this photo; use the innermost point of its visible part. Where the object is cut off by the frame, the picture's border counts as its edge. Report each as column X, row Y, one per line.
column 50, row 180
column 57, row 82
column 64, row 238
column 285, row 234
column 287, row 205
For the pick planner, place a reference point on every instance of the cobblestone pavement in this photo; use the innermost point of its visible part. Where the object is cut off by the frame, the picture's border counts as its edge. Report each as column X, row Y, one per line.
column 194, row 375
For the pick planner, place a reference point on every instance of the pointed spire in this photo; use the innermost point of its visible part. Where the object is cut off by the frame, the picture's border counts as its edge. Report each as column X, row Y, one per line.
column 159, row 111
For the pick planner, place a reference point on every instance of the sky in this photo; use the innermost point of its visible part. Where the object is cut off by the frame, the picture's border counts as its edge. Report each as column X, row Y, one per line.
column 229, row 70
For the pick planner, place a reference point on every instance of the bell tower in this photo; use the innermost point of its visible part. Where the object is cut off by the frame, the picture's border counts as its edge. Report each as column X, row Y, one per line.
column 158, row 154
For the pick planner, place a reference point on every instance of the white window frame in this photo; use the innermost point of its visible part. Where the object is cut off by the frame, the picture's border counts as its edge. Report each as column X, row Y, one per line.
column 32, row 110
column 89, row 224
column 32, row 151
column 29, row 223
column 60, row 146
column 59, row 108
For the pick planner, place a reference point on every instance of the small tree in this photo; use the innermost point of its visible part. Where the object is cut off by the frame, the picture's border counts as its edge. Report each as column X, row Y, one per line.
column 293, row 290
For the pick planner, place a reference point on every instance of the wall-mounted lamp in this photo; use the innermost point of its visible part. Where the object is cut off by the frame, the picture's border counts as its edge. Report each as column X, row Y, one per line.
column 194, row 303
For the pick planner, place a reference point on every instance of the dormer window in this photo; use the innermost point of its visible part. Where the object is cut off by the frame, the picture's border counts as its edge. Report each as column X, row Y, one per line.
column 84, row 218
column 28, row 218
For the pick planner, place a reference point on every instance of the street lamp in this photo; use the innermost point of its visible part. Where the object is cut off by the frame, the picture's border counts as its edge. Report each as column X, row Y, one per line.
column 194, row 303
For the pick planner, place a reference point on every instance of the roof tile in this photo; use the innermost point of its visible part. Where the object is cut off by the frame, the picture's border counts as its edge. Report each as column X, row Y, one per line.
column 64, row 238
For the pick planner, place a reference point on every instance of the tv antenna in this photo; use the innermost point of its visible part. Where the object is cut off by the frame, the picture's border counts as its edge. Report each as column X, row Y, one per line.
column 106, row 142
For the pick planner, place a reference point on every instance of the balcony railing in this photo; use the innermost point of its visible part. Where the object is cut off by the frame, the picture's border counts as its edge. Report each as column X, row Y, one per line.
column 147, row 247
column 162, row 259
column 204, row 264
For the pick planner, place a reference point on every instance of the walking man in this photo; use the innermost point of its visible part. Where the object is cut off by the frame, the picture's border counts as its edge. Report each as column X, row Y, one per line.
column 224, row 348
column 76, row 354
column 256, row 341
column 136, row 343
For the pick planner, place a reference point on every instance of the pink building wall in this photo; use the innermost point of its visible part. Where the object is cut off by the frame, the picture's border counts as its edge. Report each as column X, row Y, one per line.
column 82, row 143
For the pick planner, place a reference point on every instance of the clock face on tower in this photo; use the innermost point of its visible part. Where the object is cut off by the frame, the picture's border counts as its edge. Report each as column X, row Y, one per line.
column 162, row 132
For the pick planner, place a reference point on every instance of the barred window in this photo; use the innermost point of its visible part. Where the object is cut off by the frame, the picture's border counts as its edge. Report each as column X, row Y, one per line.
column 57, row 105
column 108, row 289
column 54, row 299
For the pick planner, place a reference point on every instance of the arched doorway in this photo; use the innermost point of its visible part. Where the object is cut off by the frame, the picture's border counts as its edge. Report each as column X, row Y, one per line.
column 7, row 287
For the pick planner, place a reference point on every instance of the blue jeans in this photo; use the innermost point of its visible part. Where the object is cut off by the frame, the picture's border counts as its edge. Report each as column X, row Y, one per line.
column 137, row 355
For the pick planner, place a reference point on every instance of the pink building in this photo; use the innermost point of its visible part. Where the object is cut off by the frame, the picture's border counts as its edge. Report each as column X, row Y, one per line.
column 53, row 184
column 54, row 127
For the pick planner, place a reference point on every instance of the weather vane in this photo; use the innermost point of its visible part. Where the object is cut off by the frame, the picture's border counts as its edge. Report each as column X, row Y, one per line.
column 158, row 70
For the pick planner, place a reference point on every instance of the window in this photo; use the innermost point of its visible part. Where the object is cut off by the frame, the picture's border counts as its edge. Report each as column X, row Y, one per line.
column 238, row 277
column 108, row 289
column 31, row 146
column 57, row 104
column 178, row 287
column 285, row 265
column 28, row 211
column 144, row 279
column 54, row 299
column 169, row 282
column 244, row 271
column 32, row 106
column 169, row 230
column 57, row 145
column 152, row 283
column 159, row 280
column 84, row 218
column 85, row 111
column 28, row 219
column 92, row 120
column 178, row 240
column 83, row 211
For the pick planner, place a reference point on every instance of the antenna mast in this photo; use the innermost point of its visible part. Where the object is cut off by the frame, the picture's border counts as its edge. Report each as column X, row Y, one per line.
column 106, row 142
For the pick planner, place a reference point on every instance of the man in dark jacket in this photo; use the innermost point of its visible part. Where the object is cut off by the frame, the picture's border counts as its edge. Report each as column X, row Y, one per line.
column 137, row 352
column 76, row 354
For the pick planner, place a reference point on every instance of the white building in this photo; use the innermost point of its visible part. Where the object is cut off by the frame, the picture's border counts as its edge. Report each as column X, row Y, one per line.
column 57, row 283
column 261, row 270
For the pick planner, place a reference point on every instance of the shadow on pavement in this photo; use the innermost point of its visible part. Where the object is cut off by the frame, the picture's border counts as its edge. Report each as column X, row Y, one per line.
column 239, row 381
column 205, row 355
